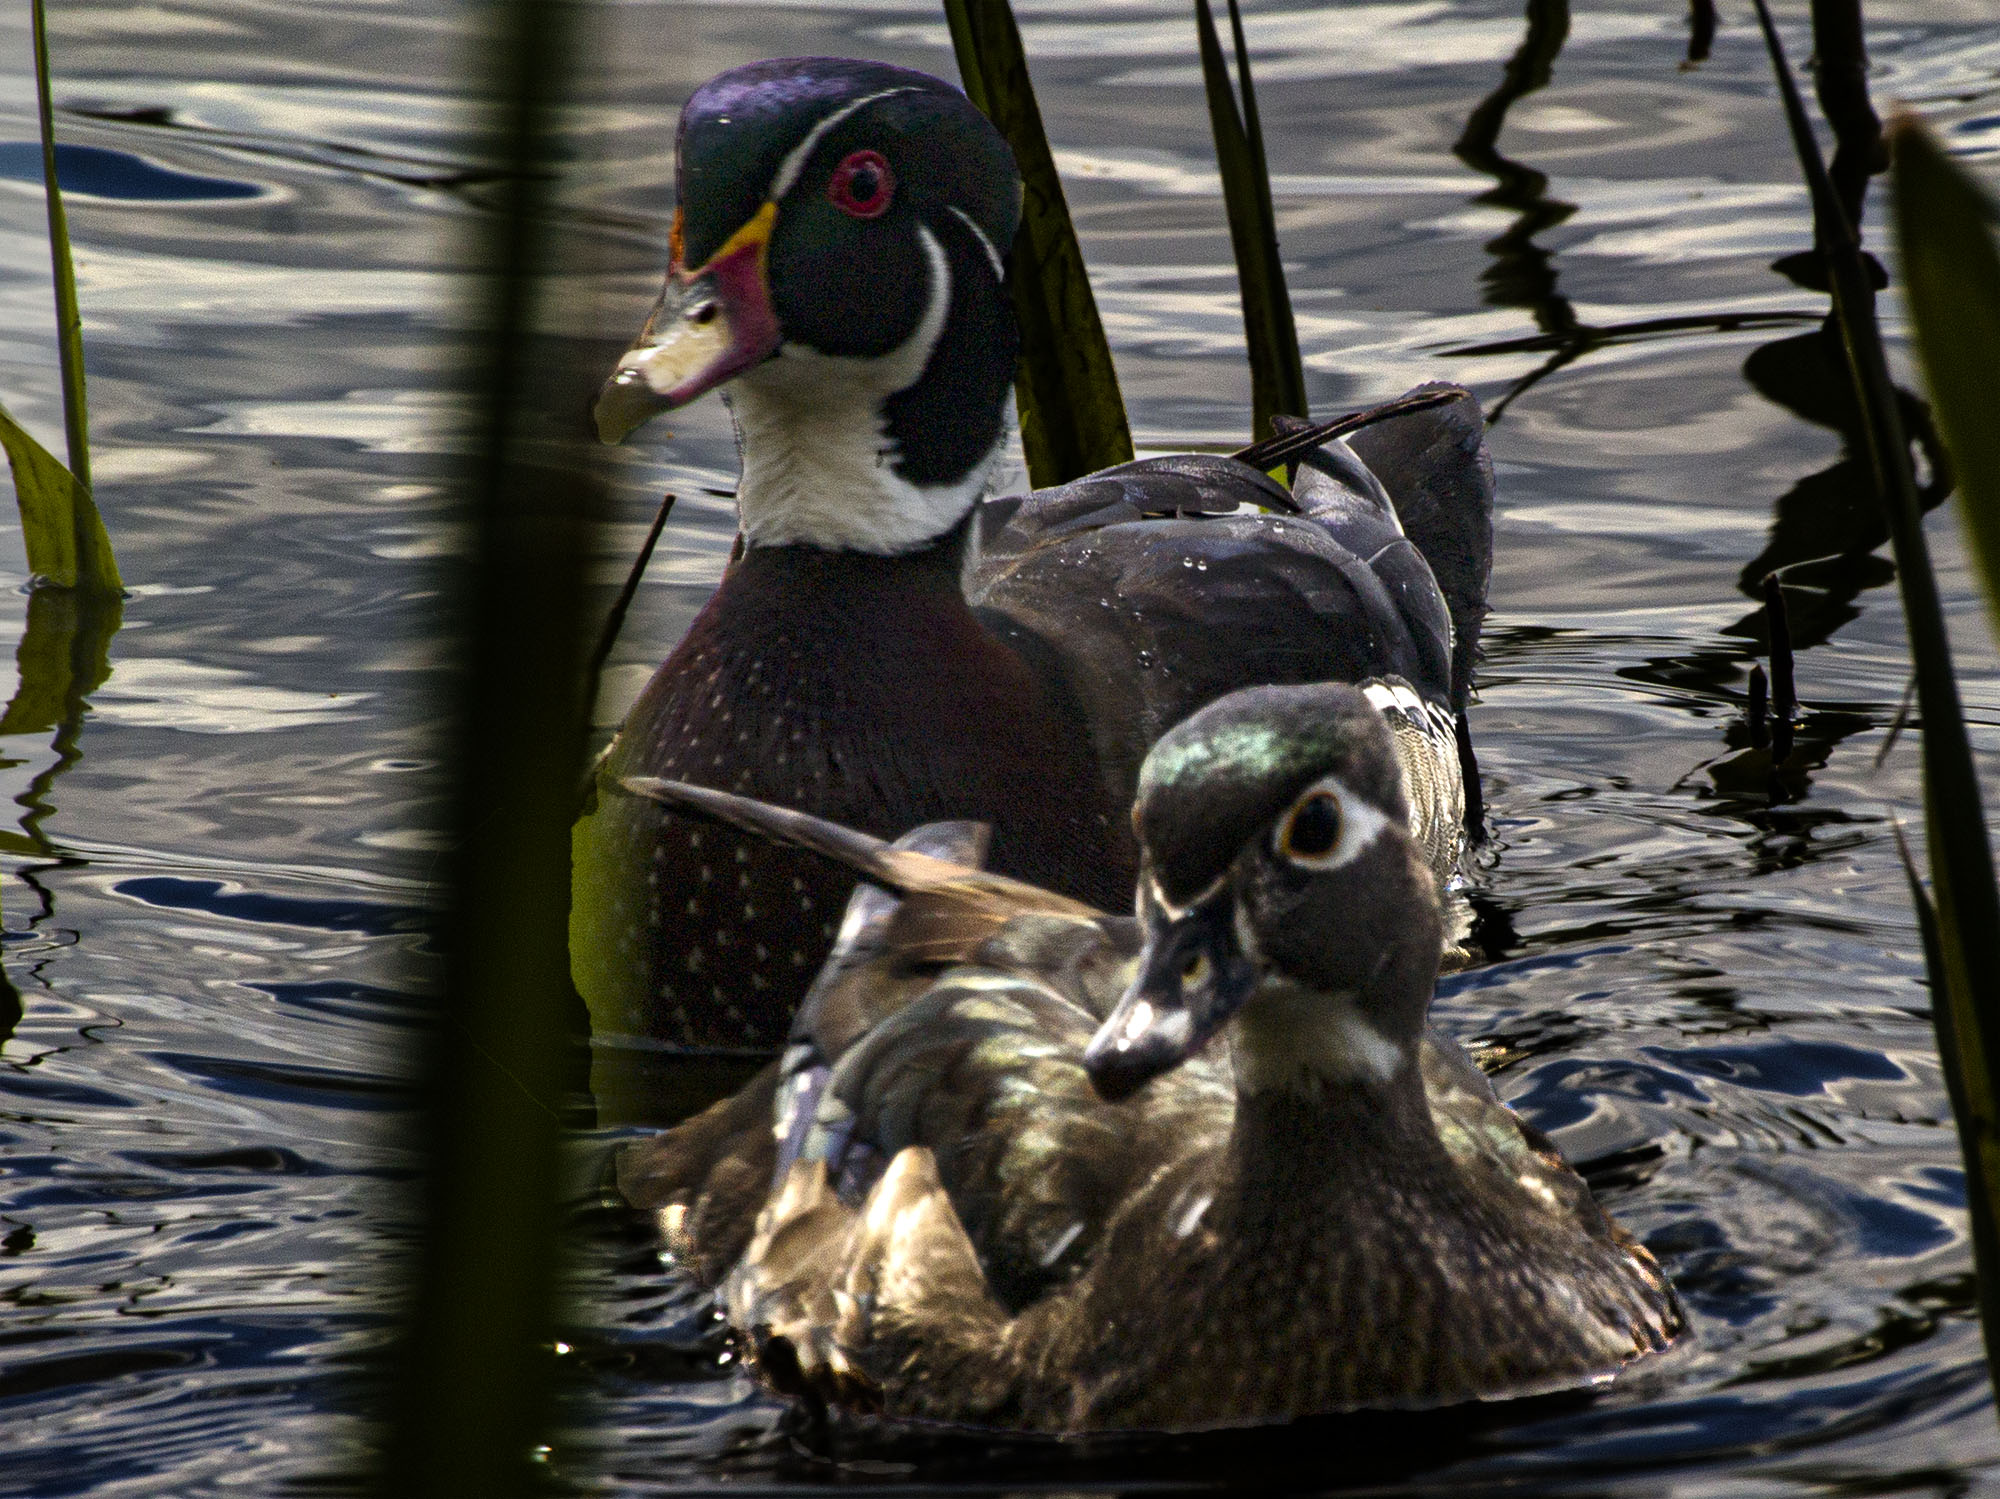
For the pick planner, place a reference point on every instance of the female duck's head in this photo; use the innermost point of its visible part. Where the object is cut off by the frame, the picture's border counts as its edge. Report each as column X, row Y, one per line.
column 837, row 255
column 1279, row 883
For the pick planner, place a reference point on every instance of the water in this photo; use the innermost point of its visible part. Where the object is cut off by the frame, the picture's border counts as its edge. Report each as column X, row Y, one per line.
column 213, row 888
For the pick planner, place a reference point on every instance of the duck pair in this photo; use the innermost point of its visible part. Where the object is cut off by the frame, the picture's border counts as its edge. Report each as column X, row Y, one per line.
column 888, row 649
column 1002, row 1177
column 1003, row 1173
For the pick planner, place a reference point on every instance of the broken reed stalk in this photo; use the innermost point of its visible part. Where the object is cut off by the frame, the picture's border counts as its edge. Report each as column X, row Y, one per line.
column 1784, row 680
column 614, row 622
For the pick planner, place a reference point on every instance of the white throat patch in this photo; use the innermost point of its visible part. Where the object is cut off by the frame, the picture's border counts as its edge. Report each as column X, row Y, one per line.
column 818, row 465
column 1286, row 1038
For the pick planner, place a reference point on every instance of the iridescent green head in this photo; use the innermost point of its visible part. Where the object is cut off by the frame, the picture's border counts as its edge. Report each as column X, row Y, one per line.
column 1275, row 855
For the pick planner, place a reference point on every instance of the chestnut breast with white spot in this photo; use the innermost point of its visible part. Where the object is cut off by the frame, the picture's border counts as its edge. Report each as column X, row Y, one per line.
column 858, row 688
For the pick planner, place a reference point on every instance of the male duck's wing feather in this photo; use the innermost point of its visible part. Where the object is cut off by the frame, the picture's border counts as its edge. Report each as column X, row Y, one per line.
column 1435, row 467
column 1154, row 588
column 1149, row 620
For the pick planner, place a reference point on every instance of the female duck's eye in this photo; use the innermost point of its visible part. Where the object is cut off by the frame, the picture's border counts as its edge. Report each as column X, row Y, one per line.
column 1313, row 828
column 862, row 185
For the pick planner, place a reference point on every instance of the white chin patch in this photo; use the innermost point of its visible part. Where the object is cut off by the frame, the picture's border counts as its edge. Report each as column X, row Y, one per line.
column 818, row 465
column 1288, row 1038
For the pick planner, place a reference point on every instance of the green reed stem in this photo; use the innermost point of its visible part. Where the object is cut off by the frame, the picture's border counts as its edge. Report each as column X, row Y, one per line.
column 473, row 1379
column 69, row 321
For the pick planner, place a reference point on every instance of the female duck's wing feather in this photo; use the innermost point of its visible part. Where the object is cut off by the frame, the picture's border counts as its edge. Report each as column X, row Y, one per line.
column 707, row 1178
column 1504, row 1158
column 985, row 1072
column 961, row 1260
column 961, row 1170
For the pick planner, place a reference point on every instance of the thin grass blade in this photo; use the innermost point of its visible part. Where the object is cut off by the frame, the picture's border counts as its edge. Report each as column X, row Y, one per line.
column 1072, row 414
column 1951, row 274
column 1277, row 376
column 69, row 321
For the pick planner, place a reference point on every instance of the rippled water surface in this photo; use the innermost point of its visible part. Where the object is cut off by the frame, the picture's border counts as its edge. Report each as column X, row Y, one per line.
column 215, row 878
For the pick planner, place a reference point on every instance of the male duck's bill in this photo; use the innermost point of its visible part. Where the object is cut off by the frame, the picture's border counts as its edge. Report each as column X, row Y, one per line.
column 710, row 324
column 930, row 1209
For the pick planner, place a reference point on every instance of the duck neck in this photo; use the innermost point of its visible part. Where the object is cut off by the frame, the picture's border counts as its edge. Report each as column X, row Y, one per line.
column 1325, row 1147
column 884, row 454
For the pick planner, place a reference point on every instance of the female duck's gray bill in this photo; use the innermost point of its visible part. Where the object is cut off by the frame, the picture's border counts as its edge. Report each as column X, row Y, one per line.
column 710, row 325
column 1192, row 977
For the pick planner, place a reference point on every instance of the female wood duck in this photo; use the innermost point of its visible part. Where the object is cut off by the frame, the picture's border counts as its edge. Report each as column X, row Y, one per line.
column 886, row 650
column 1007, row 1187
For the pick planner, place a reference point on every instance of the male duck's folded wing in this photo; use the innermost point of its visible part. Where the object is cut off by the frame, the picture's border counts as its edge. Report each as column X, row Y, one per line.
column 1435, row 466
column 1153, row 588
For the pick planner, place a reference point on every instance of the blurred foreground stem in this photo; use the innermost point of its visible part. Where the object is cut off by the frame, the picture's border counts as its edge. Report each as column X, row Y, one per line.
column 472, row 1396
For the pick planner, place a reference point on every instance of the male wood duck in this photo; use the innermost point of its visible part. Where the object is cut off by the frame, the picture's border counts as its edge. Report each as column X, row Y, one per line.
column 997, row 1179
column 886, row 650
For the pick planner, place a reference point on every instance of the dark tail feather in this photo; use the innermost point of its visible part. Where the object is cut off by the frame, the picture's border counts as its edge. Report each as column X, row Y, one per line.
column 1434, row 464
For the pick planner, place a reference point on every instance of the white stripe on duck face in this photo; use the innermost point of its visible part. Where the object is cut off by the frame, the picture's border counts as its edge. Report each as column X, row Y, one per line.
column 818, row 463
column 796, row 158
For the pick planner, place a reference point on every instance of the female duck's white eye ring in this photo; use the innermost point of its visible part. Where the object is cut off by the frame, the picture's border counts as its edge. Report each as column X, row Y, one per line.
column 1327, row 826
column 1312, row 829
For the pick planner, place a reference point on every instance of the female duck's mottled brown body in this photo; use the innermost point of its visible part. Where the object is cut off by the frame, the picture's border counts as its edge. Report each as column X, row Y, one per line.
column 1001, row 1192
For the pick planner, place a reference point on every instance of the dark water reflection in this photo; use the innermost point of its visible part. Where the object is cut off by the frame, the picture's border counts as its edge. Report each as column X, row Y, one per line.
column 1711, row 994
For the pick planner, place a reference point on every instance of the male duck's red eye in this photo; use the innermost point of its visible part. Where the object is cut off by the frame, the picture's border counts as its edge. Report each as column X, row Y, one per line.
column 862, row 185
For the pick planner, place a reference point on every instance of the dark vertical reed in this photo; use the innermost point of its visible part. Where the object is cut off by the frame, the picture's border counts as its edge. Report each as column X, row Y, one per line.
column 1277, row 375
column 1072, row 414
column 1951, row 273
column 1966, row 972
column 471, row 1391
